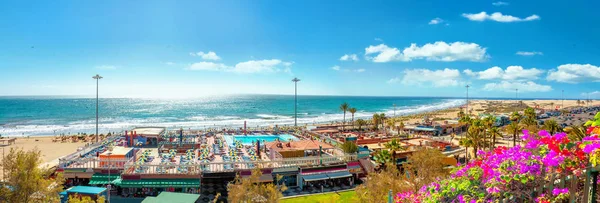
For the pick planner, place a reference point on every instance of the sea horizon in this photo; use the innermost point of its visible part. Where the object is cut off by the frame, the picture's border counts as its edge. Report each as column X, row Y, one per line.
column 42, row 115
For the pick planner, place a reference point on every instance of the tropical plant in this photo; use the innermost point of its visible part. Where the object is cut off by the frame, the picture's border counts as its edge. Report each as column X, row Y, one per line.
column 514, row 128
column 494, row 132
column 382, row 119
column 488, row 123
column 390, row 123
column 551, row 126
column 515, row 116
column 75, row 198
column 575, row 132
column 466, row 142
column 376, row 188
column 476, row 133
column 393, row 145
column 400, row 127
column 349, row 147
column 352, row 111
column 25, row 180
column 246, row 189
column 360, row 123
column 344, row 107
column 529, row 117
column 460, row 114
column 517, row 173
column 382, row 157
column 375, row 121
column 423, row 167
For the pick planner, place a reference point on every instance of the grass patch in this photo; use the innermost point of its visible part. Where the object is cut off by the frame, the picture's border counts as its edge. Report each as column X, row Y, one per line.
column 347, row 196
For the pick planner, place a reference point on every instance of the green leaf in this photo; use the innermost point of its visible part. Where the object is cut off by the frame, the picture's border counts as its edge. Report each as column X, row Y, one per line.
column 588, row 123
column 597, row 116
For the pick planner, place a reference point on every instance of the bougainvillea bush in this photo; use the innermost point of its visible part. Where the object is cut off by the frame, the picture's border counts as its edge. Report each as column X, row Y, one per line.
column 514, row 173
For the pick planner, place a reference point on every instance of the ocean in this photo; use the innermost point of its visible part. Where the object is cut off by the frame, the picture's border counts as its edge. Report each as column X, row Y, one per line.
column 56, row 115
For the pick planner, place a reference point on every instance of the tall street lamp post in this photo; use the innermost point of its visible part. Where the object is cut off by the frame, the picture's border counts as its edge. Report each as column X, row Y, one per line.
column 97, row 78
column 295, row 80
column 467, row 109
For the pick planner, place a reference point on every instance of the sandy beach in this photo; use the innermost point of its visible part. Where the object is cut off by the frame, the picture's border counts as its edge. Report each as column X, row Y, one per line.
column 51, row 151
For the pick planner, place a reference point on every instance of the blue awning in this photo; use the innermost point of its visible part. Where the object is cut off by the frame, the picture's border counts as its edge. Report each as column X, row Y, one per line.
column 341, row 174
column 315, row 177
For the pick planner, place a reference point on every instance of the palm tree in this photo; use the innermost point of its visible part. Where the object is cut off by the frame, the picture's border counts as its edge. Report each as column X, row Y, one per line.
column 551, row 126
column 466, row 142
column 344, row 107
column 515, row 116
column 382, row 119
column 400, row 127
column 352, row 111
column 514, row 128
column 390, row 124
column 375, row 121
column 382, row 157
column 529, row 117
column 393, row 145
column 475, row 133
column 494, row 132
column 360, row 123
column 576, row 132
column 461, row 114
column 488, row 123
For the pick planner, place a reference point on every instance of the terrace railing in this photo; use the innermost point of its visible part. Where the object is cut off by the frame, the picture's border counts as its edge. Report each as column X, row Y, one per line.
column 89, row 148
column 197, row 168
column 94, row 163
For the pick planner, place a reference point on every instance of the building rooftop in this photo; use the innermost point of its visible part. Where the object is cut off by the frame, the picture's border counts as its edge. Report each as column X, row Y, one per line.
column 149, row 131
column 86, row 190
column 298, row 145
column 173, row 197
column 118, row 151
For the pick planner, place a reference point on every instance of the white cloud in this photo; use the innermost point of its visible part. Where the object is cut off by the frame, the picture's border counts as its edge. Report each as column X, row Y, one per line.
column 208, row 66
column 575, row 73
column 272, row 65
column 507, row 86
column 252, row 66
column 106, row 67
column 338, row 68
column 349, row 57
column 469, row 72
column 436, row 21
column 591, row 94
column 498, row 17
column 207, row 56
column 393, row 80
column 529, row 53
column 500, row 3
column 511, row 73
column 438, row 78
column 438, row 51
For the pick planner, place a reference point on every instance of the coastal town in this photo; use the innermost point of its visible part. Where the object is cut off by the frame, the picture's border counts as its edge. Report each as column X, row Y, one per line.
column 143, row 162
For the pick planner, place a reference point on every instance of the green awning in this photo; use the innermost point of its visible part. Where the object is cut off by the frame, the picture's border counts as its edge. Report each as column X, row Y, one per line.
column 160, row 183
column 102, row 179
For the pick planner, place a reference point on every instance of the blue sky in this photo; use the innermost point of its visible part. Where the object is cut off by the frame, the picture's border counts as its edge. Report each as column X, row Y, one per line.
column 195, row 48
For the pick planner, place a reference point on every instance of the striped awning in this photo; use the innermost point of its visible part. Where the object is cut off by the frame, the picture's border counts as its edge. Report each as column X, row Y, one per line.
column 160, row 183
column 315, row 177
column 103, row 179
